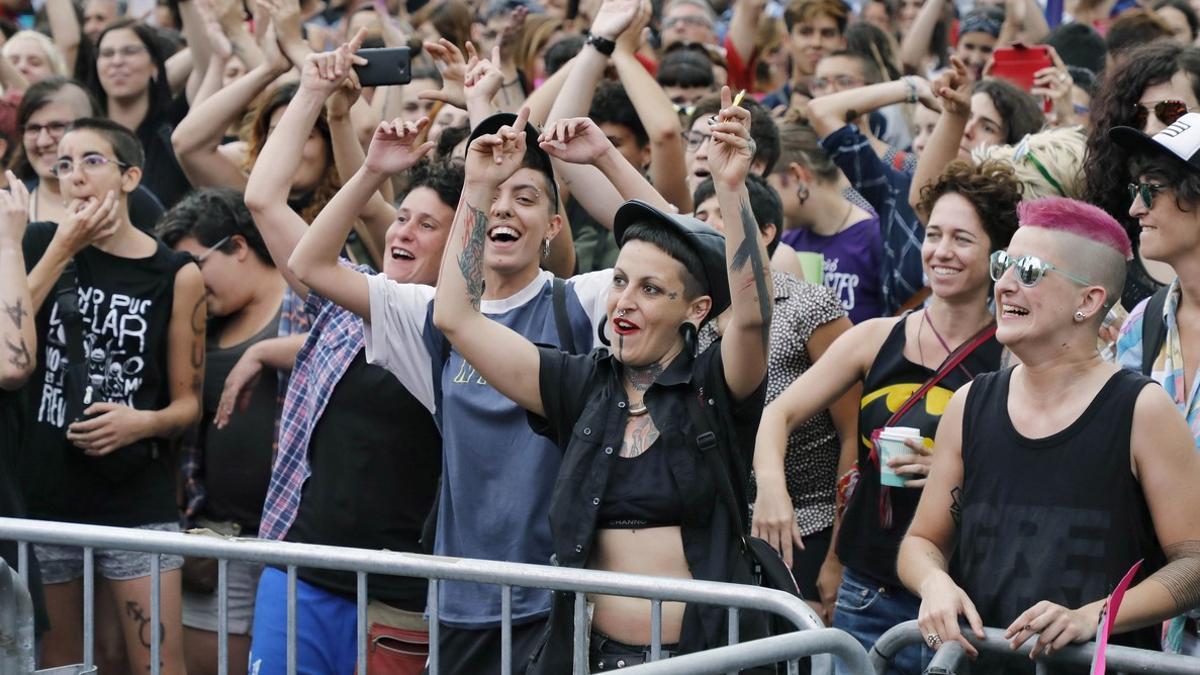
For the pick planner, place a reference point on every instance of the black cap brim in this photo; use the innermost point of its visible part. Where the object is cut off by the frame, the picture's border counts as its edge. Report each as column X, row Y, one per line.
column 533, row 150
column 1138, row 143
column 707, row 243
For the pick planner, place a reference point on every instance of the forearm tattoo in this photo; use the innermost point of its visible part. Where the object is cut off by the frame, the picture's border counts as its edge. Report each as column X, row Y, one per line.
column 16, row 312
column 1181, row 575
column 750, row 252
column 470, row 261
column 18, row 353
column 956, row 506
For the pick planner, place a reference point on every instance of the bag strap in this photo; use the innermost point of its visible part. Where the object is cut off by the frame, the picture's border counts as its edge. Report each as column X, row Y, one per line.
column 952, row 361
column 1154, row 329
column 566, row 337
column 66, row 293
column 710, row 448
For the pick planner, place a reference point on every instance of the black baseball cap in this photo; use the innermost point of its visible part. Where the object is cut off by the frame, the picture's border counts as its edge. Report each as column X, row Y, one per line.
column 705, row 242
column 535, row 156
column 1180, row 141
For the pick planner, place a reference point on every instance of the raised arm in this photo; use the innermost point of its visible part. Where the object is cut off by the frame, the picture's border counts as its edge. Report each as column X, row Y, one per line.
column 954, row 89
column 65, row 30
column 285, row 18
column 829, row 113
column 925, row 552
column 197, row 139
column 17, row 322
column 348, row 156
column 505, row 358
column 916, row 43
column 657, row 115
column 743, row 27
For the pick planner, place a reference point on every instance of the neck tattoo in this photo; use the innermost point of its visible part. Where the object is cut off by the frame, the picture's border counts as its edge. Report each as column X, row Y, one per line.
column 641, row 377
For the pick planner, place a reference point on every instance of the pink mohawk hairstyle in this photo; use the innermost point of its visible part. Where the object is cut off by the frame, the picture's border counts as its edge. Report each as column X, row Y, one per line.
column 1076, row 217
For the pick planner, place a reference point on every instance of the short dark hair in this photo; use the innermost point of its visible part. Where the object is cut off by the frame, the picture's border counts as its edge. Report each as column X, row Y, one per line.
column 160, row 89
column 560, row 52
column 444, row 177
column 763, row 130
column 876, row 45
column 1184, row 8
column 685, row 68
column 1184, row 182
column 1019, row 111
column 674, row 245
column 801, row 144
column 612, row 105
column 1134, row 28
column 450, row 138
column 764, row 204
column 992, row 189
column 870, row 70
column 800, row 11
column 211, row 215
column 125, row 145
column 1078, row 44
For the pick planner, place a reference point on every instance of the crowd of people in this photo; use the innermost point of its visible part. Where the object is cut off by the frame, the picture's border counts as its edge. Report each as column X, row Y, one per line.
column 930, row 321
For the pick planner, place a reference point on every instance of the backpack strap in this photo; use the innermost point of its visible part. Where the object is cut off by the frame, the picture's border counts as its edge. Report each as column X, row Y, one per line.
column 66, row 293
column 566, row 336
column 1154, row 329
column 704, row 427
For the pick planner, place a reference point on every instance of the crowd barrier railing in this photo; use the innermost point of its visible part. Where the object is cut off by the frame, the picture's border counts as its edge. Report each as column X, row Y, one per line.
column 952, row 660
column 291, row 556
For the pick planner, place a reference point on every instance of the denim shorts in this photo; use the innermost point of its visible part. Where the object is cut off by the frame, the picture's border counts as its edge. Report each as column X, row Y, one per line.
column 867, row 610
column 61, row 564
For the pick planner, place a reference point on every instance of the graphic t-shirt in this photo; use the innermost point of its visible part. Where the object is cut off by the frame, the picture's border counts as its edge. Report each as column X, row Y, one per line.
column 852, row 265
column 497, row 475
column 126, row 306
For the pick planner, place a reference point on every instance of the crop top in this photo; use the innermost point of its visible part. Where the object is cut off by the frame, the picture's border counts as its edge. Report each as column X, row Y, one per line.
column 641, row 493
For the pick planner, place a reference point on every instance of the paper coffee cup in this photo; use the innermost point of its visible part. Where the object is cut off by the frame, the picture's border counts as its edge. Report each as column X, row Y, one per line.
column 891, row 444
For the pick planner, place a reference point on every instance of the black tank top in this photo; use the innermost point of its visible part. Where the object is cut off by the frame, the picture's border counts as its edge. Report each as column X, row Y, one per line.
column 1060, row 518
column 640, row 493
column 864, row 545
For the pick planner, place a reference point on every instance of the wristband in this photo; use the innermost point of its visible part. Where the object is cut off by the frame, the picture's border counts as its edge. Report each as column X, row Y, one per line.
column 912, row 89
column 601, row 44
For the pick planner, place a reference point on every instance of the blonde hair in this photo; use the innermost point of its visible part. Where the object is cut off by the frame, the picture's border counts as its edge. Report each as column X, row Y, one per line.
column 1048, row 163
column 57, row 65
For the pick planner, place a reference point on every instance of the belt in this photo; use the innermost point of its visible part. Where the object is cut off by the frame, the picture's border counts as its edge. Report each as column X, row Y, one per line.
column 607, row 654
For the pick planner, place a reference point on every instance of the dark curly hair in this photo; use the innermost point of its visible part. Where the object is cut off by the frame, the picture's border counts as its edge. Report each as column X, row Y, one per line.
column 1019, row 111
column 159, row 92
column 764, row 204
column 212, row 215
column 1105, row 164
column 444, row 177
column 1179, row 179
column 611, row 104
column 992, row 189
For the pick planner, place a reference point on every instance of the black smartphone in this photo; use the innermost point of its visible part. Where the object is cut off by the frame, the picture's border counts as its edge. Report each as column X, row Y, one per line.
column 387, row 66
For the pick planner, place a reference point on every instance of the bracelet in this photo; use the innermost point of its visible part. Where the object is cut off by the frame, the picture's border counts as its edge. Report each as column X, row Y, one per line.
column 601, row 44
column 912, row 88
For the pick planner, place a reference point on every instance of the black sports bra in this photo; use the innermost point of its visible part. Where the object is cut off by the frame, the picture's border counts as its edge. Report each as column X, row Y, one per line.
column 641, row 493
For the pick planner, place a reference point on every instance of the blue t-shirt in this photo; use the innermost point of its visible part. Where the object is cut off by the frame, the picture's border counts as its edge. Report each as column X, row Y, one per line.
column 497, row 475
column 851, row 266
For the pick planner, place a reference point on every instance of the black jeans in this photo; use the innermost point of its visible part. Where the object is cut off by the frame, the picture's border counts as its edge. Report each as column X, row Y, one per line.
column 607, row 654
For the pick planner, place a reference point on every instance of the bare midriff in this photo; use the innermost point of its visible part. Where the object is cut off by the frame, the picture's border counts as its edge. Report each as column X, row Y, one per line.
column 655, row 551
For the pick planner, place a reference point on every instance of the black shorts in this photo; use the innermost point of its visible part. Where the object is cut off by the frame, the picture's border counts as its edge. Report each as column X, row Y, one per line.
column 806, row 564
column 466, row 651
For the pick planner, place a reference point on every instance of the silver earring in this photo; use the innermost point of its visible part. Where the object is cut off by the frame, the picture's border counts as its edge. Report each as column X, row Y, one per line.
column 1079, row 316
column 546, row 247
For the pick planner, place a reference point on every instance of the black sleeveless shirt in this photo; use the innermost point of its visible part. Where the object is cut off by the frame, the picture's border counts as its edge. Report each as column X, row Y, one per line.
column 864, row 545
column 1060, row 518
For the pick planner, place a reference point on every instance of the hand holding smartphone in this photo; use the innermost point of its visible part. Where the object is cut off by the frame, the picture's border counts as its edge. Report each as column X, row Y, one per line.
column 384, row 67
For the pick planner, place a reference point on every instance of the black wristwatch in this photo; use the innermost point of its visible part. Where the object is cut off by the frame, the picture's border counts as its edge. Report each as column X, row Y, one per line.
column 602, row 45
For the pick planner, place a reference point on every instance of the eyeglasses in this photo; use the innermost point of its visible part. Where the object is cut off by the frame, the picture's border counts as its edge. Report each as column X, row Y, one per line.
column 1029, row 269
column 1147, row 192
column 1167, row 112
column 128, row 51
column 838, row 81
column 684, row 109
column 55, row 129
column 695, row 139
column 697, row 21
column 91, row 164
column 209, row 251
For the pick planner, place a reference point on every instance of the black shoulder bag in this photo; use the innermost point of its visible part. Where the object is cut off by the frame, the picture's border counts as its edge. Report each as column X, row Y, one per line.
column 1154, row 329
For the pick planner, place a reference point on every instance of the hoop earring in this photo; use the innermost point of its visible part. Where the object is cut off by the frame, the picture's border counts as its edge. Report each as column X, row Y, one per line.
column 802, row 194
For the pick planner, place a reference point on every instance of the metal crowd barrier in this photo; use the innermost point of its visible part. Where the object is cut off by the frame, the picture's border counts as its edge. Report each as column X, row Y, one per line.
column 819, row 644
column 950, row 659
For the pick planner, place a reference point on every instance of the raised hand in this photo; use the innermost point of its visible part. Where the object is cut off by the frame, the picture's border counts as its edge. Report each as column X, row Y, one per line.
column 393, row 148
column 14, row 209
column 614, row 17
column 1054, row 84
column 285, row 16
column 732, row 149
column 631, row 38
column 453, row 67
column 484, row 78
column 953, row 87
column 925, row 95
column 327, row 71
column 273, row 56
column 577, row 140
column 88, row 222
column 493, row 158
column 219, row 42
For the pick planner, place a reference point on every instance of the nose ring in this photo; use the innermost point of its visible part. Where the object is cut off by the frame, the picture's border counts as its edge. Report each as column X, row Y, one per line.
column 620, row 312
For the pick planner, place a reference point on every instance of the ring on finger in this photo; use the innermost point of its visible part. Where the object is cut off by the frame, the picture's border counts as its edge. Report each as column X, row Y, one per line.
column 933, row 640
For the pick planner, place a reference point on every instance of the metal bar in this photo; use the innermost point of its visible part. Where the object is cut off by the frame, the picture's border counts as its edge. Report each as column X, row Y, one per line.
column 23, row 560
column 360, row 604
column 580, row 649
column 759, row 652
column 222, row 616
column 8, row 619
column 734, row 629
column 655, row 629
column 948, row 660
column 506, row 630
column 89, row 607
column 434, row 645
column 793, row 667
column 155, row 614
column 291, row 620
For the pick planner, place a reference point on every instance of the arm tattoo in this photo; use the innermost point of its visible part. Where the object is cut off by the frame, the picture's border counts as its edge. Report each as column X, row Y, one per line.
column 1181, row 575
column 199, row 319
column 956, row 506
column 18, row 353
column 641, row 377
column 750, row 252
column 16, row 312
column 470, row 261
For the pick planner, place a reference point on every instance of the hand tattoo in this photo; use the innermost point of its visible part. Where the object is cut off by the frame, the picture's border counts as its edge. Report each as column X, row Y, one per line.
column 19, row 354
column 16, row 312
column 470, row 261
column 751, row 252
